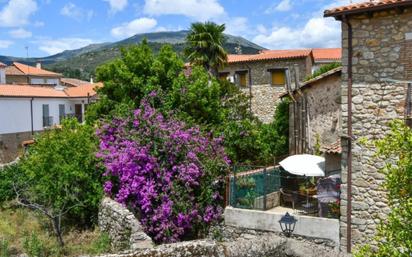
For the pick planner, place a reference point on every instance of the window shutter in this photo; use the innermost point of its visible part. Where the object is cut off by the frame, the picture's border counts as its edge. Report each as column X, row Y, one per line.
column 278, row 77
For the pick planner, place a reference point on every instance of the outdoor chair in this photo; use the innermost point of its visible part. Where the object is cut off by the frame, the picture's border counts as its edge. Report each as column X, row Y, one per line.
column 288, row 196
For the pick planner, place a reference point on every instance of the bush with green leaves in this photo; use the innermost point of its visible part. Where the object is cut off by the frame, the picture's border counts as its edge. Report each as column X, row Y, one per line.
column 59, row 178
column 394, row 235
column 198, row 99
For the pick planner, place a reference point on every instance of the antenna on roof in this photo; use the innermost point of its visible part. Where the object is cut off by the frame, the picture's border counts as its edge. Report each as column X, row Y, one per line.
column 28, row 66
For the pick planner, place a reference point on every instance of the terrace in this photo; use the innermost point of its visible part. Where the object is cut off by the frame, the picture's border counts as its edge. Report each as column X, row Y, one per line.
column 257, row 197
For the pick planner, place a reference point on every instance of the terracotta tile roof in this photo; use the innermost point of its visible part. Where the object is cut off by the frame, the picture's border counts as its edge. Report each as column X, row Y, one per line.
column 367, row 6
column 73, row 82
column 82, row 91
column 30, row 91
column 13, row 71
column 321, row 54
column 48, row 91
column 2, row 65
column 34, row 71
column 270, row 55
column 334, row 148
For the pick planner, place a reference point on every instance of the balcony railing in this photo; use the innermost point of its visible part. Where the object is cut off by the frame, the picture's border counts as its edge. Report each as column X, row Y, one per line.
column 47, row 121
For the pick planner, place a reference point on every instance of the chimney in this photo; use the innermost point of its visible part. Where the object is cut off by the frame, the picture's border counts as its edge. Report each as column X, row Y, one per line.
column 38, row 65
column 2, row 73
column 91, row 80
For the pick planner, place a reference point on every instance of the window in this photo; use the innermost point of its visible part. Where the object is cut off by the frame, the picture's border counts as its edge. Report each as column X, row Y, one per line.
column 241, row 78
column 47, row 120
column 62, row 112
column 278, row 77
column 223, row 75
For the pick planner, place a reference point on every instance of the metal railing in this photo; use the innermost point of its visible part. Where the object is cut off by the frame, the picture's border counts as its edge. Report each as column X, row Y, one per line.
column 252, row 187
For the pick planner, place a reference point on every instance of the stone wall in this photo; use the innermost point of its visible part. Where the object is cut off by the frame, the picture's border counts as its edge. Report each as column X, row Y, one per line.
column 380, row 50
column 240, row 243
column 264, row 95
column 10, row 145
column 123, row 228
column 315, row 116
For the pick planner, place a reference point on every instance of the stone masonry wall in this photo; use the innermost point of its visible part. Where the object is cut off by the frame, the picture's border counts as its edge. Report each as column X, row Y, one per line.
column 10, row 145
column 323, row 107
column 123, row 228
column 380, row 46
column 264, row 95
column 247, row 244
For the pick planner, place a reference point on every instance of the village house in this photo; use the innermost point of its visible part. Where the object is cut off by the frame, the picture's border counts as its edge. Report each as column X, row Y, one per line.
column 314, row 118
column 18, row 73
column 41, row 100
column 376, row 78
column 265, row 76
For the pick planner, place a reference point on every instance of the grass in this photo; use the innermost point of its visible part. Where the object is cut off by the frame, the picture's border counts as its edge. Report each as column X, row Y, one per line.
column 23, row 231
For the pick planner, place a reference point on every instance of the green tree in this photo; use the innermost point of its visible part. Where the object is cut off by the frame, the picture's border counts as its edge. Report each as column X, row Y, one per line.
column 59, row 177
column 205, row 46
column 132, row 76
column 275, row 135
column 394, row 236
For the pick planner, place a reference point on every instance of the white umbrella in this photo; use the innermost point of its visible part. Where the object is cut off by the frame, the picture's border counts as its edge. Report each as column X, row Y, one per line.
column 304, row 165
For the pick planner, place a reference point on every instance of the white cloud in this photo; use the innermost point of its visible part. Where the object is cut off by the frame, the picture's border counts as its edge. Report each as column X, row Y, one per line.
column 136, row 26
column 116, row 5
column 201, row 10
column 284, row 6
column 20, row 33
column 72, row 11
column 16, row 13
column 38, row 24
column 318, row 32
column 237, row 26
column 54, row 46
column 5, row 43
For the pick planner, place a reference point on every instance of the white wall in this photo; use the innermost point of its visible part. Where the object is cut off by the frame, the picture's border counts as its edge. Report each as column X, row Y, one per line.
column 2, row 76
column 15, row 113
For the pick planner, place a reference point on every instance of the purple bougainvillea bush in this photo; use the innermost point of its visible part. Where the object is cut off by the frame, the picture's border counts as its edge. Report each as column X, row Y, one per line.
column 169, row 175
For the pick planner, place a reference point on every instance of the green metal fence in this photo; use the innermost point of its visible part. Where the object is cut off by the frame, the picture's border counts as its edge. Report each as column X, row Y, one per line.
column 254, row 187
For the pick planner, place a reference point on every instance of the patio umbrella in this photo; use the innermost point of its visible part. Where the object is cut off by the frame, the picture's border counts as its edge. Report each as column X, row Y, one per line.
column 304, row 165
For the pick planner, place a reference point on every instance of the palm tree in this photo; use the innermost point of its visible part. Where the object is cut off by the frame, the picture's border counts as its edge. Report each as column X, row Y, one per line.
column 205, row 46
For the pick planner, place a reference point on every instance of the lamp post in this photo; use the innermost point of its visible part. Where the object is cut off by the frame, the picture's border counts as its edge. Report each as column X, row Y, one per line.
column 287, row 224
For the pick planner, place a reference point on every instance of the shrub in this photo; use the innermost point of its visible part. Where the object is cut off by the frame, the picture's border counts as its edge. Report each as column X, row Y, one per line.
column 394, row 237
column 170, row 176
column 59, row 178
column 323, row 69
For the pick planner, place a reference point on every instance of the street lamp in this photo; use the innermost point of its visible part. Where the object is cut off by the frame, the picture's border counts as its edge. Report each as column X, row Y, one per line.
column 287, row 224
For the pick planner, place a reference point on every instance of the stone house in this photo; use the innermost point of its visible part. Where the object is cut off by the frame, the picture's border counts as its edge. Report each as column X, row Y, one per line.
column 324, row 56
column 314, row 118
column 377, row 54
column 264, row 76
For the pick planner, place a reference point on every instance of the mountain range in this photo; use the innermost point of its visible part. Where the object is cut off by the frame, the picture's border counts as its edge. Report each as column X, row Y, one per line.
column 81, row 63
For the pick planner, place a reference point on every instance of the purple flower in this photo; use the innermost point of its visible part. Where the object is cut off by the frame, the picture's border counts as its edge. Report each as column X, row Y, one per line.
column 160, row 168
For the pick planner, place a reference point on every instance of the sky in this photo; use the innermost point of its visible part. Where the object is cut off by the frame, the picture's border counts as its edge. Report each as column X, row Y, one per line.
column 40, row 28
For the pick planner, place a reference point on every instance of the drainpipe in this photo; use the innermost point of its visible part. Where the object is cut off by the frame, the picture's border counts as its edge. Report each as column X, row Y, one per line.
column 250, row 87
column 349, row 158
column 31, row 116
